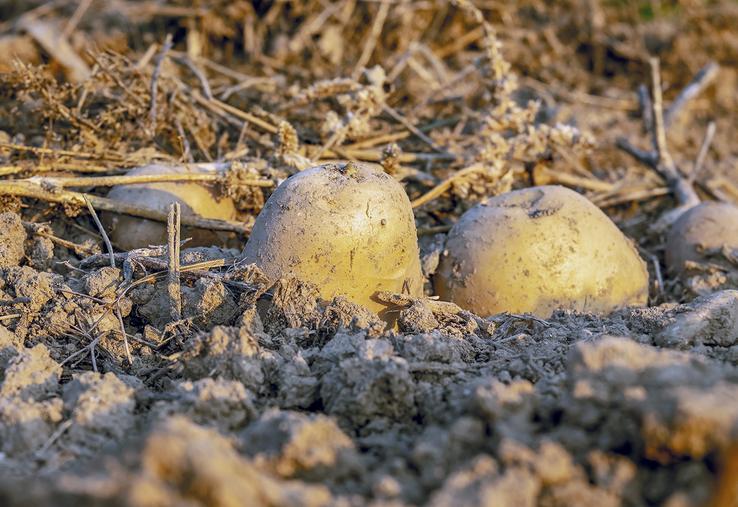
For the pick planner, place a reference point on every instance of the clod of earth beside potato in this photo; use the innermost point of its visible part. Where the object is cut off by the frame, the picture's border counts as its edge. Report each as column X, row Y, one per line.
column 347, row 228
column 129, row 232
column 537, row 250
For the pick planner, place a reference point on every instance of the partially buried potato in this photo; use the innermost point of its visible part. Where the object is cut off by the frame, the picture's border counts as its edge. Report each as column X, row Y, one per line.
column 347, row 228
column 537, row 250
column 129, row 232
column 707, row 226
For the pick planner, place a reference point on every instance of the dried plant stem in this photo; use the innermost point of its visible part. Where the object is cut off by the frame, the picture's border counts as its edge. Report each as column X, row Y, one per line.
column 32, row 190
column 155, row 79
column 702, row 155
column 38, row 230
column 116, row 309
column 173, row 269
column 63, row 427
column 684, row 192
column 119, row 316
column 106, row 239
column 624, row 196
column 371, row 41
column 109, row 181
column 412, row 128
column 222, row 108
column 76, row 18
column 378, row 155
column 442, row 187
column 66, row 153
column 660, row 159
column 189, row 268
column 699, row 82
column 544, row 176
column 437, row 229
column 377, row 140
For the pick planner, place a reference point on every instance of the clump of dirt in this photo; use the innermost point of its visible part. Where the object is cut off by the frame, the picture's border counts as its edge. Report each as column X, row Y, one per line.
column 30, row 407
column 12, row 240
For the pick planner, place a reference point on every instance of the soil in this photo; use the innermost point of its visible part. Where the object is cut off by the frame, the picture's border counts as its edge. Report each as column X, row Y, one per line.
column 266, row 394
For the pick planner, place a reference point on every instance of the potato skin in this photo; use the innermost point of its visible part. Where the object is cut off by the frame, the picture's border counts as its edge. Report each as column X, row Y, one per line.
column 709, row 225
column 129, row 232
column 537, row 250
column 347, row 228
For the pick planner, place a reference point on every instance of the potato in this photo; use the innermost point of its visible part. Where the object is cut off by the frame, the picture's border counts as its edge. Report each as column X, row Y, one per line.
column 347, row 228
column 537, row 250
column 129, row 232
column 710, row 225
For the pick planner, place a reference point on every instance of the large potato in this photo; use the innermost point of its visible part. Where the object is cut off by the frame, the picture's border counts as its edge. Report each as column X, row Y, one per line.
column 710, row 225
column 538, row 250
column 129, row 232
column 347, row 228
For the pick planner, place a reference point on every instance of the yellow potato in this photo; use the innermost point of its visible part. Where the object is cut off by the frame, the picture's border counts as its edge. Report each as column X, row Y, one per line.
column 710, row 225
column 537, row 250
column 347, row 228
column 129, row 232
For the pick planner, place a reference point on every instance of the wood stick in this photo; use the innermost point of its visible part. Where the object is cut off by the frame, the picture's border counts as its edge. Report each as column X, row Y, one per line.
column 173, row 269
column 439, row 189
column 27, row 189
column 110, row 181
column 106, row 240
column 699, row 82
column 155, row 79
column 117, row 311
column 702, row 155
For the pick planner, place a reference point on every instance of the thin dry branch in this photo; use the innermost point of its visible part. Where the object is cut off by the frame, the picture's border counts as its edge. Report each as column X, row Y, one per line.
column 174, row 296
column 155, row 79
column 442, row 187
column 106, row 239
column 699, row 82
column 371, row 41
column 116, row 308
column 660, row 158
column 31, row 190
column 109, row 181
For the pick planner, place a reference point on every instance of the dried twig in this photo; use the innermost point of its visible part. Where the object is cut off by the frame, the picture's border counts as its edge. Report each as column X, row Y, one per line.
column 199, row 74
column 56, row 44
column 412, row 128
column 116, row 309
column 222, row 108
column 699, row 82
column 42, row 231
column 66, row 153
column 660, row 159
column 371, row 41
column 442, row 187
column 76, row 18
column 173, row 288
column 60, row 430
column 29, row 189
column 702, row 155
column 109, row 181
column 106, row 240
column 155, row 79
column 437, row 229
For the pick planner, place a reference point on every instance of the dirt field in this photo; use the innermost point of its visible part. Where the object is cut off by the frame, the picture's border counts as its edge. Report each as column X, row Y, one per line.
column 121, row 384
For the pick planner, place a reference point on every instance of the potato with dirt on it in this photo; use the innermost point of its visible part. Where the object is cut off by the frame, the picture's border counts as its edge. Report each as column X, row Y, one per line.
column 537, row 250
column 707, row 226
column 347, row 228
column 195, row 198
